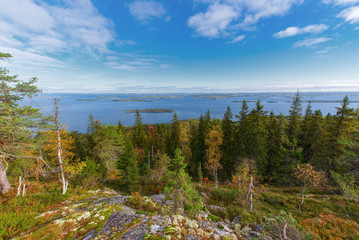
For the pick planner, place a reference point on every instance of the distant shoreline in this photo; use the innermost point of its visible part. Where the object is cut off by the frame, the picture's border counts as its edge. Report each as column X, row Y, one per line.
column 152, row 110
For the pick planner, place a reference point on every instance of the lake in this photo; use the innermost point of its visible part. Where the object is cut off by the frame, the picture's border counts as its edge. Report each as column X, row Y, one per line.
column 110, row 108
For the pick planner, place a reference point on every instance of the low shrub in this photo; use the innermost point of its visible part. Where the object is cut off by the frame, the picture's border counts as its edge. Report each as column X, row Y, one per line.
column 330, row 227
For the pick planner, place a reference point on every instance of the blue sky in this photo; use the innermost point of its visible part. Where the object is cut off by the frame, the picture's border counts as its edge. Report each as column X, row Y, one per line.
column 183, row 45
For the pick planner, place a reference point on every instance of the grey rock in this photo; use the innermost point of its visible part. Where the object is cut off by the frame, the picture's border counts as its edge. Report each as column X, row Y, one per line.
column 259, row 228
column 159, row 198
column 217, row 208
column 137, row 232
column 236, row 220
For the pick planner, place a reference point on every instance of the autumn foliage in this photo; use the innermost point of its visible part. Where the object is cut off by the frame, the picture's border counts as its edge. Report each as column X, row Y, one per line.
column 72, row 165
column 330, row 227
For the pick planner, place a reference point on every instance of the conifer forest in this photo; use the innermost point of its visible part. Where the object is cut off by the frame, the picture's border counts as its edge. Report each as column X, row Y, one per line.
column 248, row 175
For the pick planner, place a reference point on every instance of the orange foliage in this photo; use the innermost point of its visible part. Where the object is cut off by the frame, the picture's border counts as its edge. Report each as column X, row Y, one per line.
column 330, row 227
column 306, row 174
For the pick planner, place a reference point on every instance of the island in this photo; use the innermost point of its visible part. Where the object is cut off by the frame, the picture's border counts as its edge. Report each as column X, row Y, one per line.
column 152, row 110
column 86, row 100
column 131, row 100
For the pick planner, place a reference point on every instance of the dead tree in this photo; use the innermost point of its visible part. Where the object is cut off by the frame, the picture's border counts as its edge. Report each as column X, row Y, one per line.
column 250, row 193
column 63, row 180
column 4, row 182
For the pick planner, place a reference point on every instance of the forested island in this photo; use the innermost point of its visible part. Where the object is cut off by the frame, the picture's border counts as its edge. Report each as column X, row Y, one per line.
column 151, row 110
column 249, row 175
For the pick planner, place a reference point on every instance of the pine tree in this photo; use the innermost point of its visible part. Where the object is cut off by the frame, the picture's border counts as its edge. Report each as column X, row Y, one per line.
column 138, row 133
column 16, row 122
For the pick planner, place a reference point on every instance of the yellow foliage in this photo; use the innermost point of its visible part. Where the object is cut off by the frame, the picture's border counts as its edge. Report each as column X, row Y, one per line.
column 213, row 142
column 242, row 178
column 71, row 165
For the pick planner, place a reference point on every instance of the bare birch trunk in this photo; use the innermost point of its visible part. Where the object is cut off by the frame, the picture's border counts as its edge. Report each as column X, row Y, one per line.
column 284, row 233
column 251, row 194
column 24, row 190
column 303, row 196
column 239, row 182
column 19, row 188
column 59, row 149
column 215, row 179
column 4, row 182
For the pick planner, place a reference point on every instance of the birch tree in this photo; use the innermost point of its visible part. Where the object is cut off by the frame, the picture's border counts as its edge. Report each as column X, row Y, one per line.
column 213, row 152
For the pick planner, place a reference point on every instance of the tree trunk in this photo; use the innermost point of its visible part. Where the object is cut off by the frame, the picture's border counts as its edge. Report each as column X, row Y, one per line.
column 251, row 194
column 4, row 182
column 59, row 149
column 239, row 182
column 19, row 188
column 303, row 196
column 215, row 179
column 284, row 232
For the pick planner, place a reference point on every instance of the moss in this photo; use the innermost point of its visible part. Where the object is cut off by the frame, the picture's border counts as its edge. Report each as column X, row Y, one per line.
column 212, row 218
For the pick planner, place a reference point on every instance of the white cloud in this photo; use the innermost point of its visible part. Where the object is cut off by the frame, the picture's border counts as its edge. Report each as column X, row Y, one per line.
column 321, row 52
column 238, row 39
column 125, row 42
column 259, row 9
column 311, row 42
column 135, row 62
column 37, row 27
column 214, row 22
column 226, row 16
column 292, row 31
column 31, row 59
column 146, row 10
column 350, row 15
column 340, row 2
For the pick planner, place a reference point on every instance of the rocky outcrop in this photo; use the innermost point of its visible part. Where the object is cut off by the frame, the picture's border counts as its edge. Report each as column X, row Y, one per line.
column 104, row 215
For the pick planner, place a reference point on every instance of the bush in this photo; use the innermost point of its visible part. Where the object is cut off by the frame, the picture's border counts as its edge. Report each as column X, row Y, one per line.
column 329, row 227
column 273, row 198
column 140, row 203
column 347, row 185
column 92, row 174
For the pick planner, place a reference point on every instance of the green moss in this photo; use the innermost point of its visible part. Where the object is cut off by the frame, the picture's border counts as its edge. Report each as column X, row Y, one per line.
column 212, row 218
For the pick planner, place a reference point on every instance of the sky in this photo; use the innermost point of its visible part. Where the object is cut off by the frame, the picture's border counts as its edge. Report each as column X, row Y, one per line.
column 184, row 46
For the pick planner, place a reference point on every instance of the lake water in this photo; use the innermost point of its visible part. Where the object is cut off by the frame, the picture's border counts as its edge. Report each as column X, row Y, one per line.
column 75, row 108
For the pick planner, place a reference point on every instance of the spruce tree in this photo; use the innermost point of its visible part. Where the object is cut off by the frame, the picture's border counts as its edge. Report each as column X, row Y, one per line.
column 228, row 150
column 198, row 146
column 180, row 187
column 306, row 137
column 257, row 137
column 275, row 148
column 138, row 131
column 295, row 113
column 294, row 152
column 127, row 163
column 242, row 131
column 175, row 137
